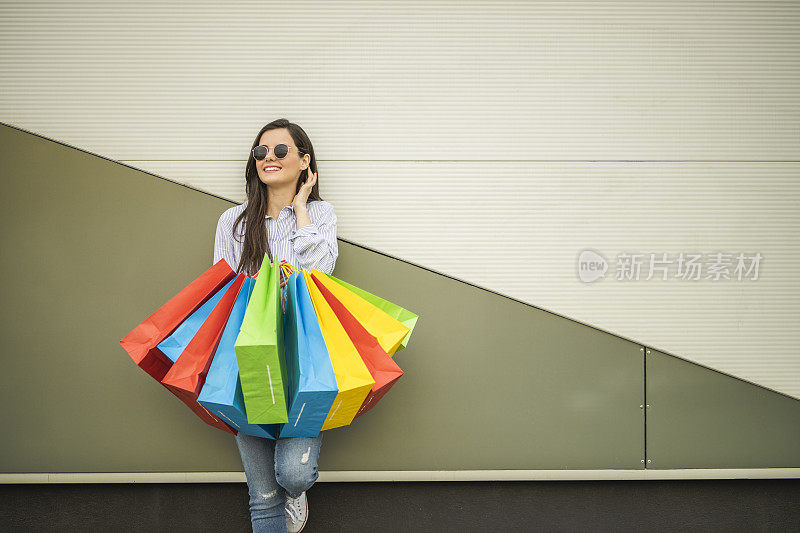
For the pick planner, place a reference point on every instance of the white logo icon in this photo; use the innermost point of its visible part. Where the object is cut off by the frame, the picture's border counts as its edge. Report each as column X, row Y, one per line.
column 591, row 266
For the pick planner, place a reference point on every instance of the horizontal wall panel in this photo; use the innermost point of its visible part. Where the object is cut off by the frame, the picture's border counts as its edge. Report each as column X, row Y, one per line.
column 612, row 80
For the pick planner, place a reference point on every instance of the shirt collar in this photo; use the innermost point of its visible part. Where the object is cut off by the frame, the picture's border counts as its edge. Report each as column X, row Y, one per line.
column 290, row 207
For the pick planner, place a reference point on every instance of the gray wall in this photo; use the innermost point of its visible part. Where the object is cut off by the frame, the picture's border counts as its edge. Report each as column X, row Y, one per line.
column 92, row 247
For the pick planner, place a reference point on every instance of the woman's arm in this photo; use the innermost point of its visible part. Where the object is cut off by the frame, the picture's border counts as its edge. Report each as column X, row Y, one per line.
column 223, row 247
column 315, row 239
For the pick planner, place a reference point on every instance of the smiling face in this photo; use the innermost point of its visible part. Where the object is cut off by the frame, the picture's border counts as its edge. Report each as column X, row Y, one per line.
column 289, row 168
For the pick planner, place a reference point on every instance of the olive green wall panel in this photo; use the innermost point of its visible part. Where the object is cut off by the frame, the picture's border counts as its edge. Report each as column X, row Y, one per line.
column 700, row 418
column 92, row 247
column 492, row 383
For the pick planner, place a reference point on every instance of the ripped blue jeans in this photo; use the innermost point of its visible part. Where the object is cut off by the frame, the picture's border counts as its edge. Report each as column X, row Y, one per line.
column 275, row 468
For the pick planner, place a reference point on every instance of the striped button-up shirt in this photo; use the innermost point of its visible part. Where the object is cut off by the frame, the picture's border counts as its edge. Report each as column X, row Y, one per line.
column 312, row 246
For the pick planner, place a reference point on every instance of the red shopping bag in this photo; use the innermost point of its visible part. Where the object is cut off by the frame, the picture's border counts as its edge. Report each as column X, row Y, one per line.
column 186, row 377
column 383, row 369
column 142, row 343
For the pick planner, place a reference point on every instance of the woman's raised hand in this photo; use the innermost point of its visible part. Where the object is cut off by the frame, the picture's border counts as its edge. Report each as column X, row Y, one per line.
column 301, row 197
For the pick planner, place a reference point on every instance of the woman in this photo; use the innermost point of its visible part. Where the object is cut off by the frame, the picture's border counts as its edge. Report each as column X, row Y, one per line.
column 284, row 217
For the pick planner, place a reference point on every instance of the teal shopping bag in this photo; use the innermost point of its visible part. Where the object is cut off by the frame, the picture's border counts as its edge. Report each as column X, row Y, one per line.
column 178, row 340
column 311, row 380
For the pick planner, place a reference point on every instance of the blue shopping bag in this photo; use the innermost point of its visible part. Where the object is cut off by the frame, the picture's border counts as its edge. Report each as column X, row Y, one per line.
column 222, row 392
column 178, row 340
column 311, row 381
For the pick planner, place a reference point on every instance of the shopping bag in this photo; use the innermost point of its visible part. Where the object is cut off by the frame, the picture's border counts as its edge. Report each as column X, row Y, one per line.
column 222, row 392
column 388, row 331
column 383, row 369
column 142, row 343
column 260, row 352
column 352, row 375
column 404, row 316
column 186, row 377
column 174, row 345
column 311, row 380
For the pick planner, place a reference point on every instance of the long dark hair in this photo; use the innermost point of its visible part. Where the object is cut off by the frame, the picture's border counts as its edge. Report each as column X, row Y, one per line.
column 256, row 243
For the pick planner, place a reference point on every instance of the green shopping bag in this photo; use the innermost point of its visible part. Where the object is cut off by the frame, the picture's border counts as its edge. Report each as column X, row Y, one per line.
column 404, row 316
column 259, row 350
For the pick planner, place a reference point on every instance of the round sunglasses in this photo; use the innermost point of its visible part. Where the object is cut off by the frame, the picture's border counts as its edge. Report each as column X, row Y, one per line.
column 261, row 151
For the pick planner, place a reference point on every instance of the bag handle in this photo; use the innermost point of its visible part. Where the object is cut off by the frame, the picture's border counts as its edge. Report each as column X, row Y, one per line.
column 287, row 269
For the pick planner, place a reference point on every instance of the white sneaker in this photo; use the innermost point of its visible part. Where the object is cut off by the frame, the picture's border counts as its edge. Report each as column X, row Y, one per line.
column 296, row 512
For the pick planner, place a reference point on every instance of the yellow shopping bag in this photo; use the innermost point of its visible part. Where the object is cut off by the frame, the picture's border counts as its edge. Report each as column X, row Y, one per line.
column 387, row 330
column 352, row 375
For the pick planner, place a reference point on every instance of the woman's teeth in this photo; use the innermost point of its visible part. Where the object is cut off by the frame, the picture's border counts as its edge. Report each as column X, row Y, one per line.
column 271, row 169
